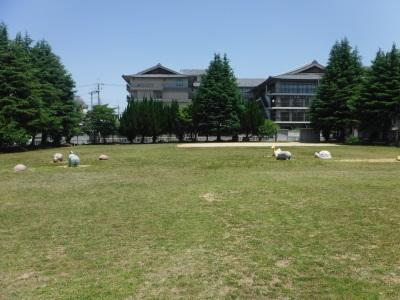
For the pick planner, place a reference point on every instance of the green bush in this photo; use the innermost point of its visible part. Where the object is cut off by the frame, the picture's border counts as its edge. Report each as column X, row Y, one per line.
column 352, row 140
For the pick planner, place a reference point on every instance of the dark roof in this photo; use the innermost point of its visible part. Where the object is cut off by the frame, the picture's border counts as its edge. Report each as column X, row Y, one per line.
column 193, row 72
column 310, row 76
column 249, row 82
column 311, row 71
column 160, row 67
column 313, row 67
column 157, row 71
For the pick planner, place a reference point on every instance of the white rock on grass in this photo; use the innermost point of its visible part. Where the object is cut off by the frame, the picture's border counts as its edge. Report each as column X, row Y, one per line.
column 324, row 154
column 20, row 168
column 103, row 157
column 73, row 160
column 57, row 157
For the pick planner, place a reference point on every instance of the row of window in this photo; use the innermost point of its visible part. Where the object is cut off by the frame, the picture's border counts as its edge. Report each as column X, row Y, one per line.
column 177, row 83
column 292, row 101
column 147, row 94
column 292, row 116
column 297, row 87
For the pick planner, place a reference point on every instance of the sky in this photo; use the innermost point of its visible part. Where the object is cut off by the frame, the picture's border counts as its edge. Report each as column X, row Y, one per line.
column 98, row 41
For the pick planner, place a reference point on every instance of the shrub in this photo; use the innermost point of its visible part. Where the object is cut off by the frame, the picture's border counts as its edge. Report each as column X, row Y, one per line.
column 352, row 140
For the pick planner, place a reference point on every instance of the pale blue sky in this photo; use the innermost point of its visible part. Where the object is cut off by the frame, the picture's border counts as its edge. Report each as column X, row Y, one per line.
column 101, row 40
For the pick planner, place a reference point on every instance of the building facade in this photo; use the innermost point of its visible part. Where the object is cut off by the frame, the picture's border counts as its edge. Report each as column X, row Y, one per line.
column 245, row 85
column 160, row 83
column 287, row 97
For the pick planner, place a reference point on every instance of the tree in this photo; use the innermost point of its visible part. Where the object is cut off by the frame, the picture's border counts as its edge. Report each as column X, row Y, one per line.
column 268, row 129
column 379, row 107
column 61, row 114
column 157, row 117
column 36, row 93
column 101, row 120
column 217, row 99
column 19, row 98
column 339, row 90
column 129, row 120
column 251, row 118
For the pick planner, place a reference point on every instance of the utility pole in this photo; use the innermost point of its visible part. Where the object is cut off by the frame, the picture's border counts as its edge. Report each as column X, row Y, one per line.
column 91, row 98
column 96, row 91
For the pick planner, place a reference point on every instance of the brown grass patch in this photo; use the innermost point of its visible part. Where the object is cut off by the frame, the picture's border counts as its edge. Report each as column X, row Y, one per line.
column 283, row 263
column 209, row 197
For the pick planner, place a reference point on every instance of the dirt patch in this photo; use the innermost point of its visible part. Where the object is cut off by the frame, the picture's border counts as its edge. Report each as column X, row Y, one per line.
column 26, row 275
column 283, row 263
column 371, row 160
column 254, row 144
column 209, row 197
column 392, row 278
column 56, row 253
column 80, row 166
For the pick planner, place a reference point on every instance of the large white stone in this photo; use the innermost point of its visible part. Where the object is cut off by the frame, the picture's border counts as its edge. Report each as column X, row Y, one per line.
column 20, row 168
column 57, row 157
column 324, row 154
column 103, row 157
column 73, row 160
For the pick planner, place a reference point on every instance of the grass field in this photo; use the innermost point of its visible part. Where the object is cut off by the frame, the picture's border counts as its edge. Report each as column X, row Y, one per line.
column 156, row 221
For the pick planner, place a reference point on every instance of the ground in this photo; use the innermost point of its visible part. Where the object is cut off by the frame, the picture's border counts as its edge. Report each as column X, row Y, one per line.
column 158, row 221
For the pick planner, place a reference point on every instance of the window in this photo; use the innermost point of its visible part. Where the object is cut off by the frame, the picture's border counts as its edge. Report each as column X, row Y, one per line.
column 179, row 82
column 297, row 87
column 284, row 116
column 298, row 116
column 157, row 94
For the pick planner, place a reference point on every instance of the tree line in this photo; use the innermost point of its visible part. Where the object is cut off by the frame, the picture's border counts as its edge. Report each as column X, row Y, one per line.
column 351, row 96
column 36, row 93
column 217, row 109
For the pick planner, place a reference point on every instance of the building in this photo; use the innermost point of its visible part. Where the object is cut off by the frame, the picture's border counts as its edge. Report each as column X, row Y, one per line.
column 246, row 85
column 287, row 97
column 160, row 83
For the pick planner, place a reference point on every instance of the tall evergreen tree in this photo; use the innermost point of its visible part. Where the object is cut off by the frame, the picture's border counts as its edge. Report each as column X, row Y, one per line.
column 61, row 114
column 19, row 99
column 338, row 92
column 218, row 99
column 379, row 107
column 129, row 120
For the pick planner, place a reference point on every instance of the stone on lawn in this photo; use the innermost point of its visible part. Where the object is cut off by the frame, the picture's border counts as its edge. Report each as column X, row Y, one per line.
column 324, row 154
column 73, row 160
column 57, row 157
column 103, row 157
column 20, row 168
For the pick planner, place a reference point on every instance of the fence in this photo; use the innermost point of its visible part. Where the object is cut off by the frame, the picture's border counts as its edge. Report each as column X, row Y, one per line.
column 284, row 135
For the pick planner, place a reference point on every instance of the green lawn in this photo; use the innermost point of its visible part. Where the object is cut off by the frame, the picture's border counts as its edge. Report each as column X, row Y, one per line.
column 156, row 221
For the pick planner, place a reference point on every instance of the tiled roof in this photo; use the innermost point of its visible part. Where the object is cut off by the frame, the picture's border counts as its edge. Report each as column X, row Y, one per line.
column 249, row 82
column 193, row 72
column 305, row 76
column 156, row 67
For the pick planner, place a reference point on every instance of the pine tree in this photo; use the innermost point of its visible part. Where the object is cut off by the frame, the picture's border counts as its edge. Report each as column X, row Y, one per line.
column 61, row 114
column 129, row 120
column 379, row 107
column 19, row 99
column 218, row 99
column 339, row 91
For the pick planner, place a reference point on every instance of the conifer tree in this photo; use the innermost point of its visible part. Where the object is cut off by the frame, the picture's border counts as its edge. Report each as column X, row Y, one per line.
column 218, row 99
column 379, row 107
column 339, row 90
